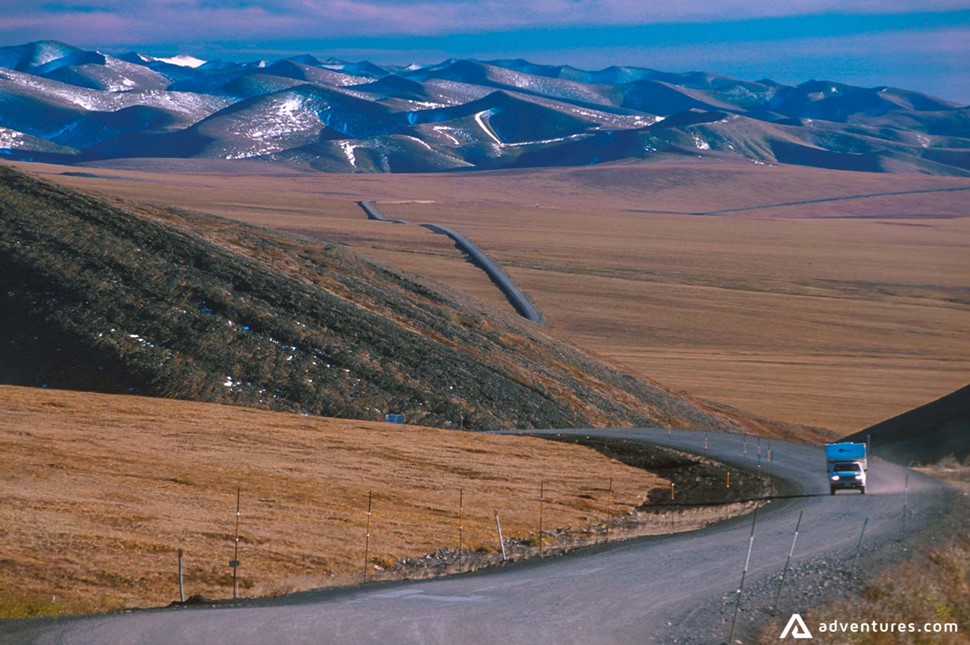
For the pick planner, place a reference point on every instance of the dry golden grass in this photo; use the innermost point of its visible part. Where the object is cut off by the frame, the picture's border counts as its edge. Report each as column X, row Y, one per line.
column 929, row 588
column 951, row 471
column 837, row 323
column 836, row 314
column 98, row 492
column 680, row 186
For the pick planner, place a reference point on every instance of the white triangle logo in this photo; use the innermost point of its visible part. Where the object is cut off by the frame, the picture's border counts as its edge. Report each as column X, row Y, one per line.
column 797, row 628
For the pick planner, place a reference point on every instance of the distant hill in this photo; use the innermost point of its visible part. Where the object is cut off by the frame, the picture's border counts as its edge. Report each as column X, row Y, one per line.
column 68, row 105
column 121, row 297
column 926, row 434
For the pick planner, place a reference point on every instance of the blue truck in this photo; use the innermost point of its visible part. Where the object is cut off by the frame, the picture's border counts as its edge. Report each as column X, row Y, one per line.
column 847, row 465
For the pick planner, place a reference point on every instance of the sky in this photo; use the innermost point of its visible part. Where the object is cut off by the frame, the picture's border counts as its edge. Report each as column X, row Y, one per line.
column 921, row 45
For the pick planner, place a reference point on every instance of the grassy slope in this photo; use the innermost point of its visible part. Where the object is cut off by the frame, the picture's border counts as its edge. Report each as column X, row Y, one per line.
column 836, row 314
column 129, row 298
column 830, row 322
column 99, row 491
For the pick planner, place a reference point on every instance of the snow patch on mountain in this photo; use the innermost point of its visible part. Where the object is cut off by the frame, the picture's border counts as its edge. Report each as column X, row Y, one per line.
column 348, row 147
column 480, row 120
column 447, row 131
column 192, row 106
column 14, row 140
column 183, row 60
column 540, row 142
column 48, row 51
column 334, row 115
column 10, row 139
column 289, row 115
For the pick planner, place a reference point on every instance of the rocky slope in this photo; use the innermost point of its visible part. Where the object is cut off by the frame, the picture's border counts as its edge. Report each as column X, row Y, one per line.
column 121, row 297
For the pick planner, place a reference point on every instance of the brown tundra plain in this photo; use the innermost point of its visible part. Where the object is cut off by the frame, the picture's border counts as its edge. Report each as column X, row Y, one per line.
column 816, row 297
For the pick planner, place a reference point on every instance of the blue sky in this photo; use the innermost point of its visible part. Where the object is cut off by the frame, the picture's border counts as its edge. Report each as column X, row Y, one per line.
column 916, row 44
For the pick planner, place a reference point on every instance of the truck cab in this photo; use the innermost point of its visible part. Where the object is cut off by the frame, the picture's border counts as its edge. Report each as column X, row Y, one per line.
column 847, row 474
column 847, row 464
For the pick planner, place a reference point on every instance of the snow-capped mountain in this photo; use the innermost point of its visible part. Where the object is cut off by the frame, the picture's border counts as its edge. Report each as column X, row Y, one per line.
column 69, row 105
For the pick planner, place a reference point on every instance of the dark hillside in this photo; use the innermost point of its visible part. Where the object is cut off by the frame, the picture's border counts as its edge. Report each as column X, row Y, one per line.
column 130, row 298
column 926, row 434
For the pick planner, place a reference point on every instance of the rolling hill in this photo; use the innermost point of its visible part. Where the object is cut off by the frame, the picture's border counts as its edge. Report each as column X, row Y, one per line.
column 63, row 104
column 127, row 298
column 925, row 434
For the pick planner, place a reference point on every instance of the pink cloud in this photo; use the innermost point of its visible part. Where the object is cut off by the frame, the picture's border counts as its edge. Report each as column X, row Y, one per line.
column 147, row 21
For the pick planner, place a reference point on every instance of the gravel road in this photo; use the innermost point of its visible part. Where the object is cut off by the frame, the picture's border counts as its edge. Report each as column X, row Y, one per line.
column 517, row 298
column 370, row 209
column 522, row 304
column 677, row 588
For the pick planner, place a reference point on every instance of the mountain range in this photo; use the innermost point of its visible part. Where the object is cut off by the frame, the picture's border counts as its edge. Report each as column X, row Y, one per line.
column 63, row 104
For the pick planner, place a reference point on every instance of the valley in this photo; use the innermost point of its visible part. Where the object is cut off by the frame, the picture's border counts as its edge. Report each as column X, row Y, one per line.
column 822, row 298
column 788, row 302
column 345, row 322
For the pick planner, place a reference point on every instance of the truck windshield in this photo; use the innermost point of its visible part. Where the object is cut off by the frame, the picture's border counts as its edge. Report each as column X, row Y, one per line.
column 847, row 467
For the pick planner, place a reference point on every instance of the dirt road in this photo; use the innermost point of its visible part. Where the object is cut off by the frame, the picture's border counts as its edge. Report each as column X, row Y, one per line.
column 522, row 304
column 648, row 590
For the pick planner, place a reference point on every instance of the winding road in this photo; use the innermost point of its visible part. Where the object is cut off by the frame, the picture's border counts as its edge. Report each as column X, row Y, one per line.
column 803, row 202
column 653, row 589
column 370, row 209
column 522, row 304
column 517, row 298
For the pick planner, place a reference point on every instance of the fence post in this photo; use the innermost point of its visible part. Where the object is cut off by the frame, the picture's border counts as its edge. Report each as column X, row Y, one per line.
column 501, row 540
column 609, row 510
column 788, row 561
column 905, row 503
column 858, row 547
column 747, row 562
column 541, row 493
column 181, row 579
column 461, row 522
column 235, row 553
column 771, row 471
column 370, row 500
column 759, row 456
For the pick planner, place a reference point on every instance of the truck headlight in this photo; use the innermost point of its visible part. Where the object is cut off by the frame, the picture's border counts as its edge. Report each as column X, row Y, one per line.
column 835, row 478
column 858, row 476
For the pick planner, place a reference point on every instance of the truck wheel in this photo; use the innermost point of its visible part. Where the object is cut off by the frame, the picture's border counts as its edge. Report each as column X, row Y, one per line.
column 863, row 490
column 831, row 490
